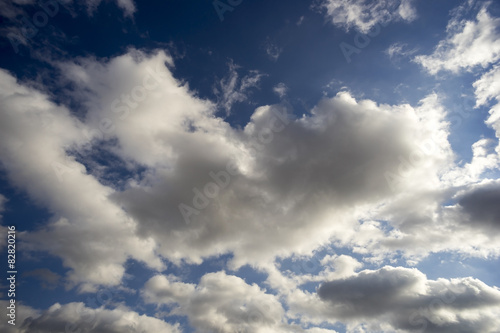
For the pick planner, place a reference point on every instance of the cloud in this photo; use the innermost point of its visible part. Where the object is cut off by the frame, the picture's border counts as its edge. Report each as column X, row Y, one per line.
column 365, row 14
column 273, row 51
column 219, row 303
column 305, row 167
column 197, row 187
column 487, row 89
column 74, row 317
column 330, row 267
column 480, row 203
column 231, row 89
column 280, row 89
column 36, row 135
column 10, row 9
column 396, row 298
column 127, row 6
column 468, row 44
column 300, row 20
column 399, row 50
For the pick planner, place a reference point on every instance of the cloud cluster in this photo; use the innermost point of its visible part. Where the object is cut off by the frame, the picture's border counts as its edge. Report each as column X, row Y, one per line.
column 195, row 186
column 363, row 15
column 404, row 299
column 95, row 236
column 219, row 303
column 473, row 234
column 76, row 317
column 468, row 44
column 133, row 164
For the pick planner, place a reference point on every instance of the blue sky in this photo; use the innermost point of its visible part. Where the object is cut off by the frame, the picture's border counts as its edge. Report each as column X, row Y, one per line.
column 232, row 166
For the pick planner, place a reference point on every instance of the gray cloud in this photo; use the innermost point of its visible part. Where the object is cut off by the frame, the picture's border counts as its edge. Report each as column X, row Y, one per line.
column 406, row 300
column 482, row 205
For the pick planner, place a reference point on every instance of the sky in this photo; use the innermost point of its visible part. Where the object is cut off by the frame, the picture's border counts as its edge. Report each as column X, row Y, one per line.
column 236, row 166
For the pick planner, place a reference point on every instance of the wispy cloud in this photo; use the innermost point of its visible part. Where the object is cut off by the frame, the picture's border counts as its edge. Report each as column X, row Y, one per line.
column 232, row 89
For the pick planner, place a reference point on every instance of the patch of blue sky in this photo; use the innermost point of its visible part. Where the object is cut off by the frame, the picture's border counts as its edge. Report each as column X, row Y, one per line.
column 453, row 265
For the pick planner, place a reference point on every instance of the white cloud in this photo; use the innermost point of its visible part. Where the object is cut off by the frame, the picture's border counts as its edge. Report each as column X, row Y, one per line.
column 265, row 200
column 76, row 317
column 280, row 89
column 231, row 89
column 290, row 185
column 365, row 14
column 398, row 50
column 468, row 44
column 36, row 160
column 219, row 303
column 487, row 89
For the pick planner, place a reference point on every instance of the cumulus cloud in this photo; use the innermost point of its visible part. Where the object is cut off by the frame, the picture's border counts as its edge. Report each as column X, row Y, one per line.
column 365, row 14
column 281, row 174
column 36, row 160
column 469, row 43
column 480, row 205
column 76, row 317
column 205, row 188
column 219, row 303
column 396, row 298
